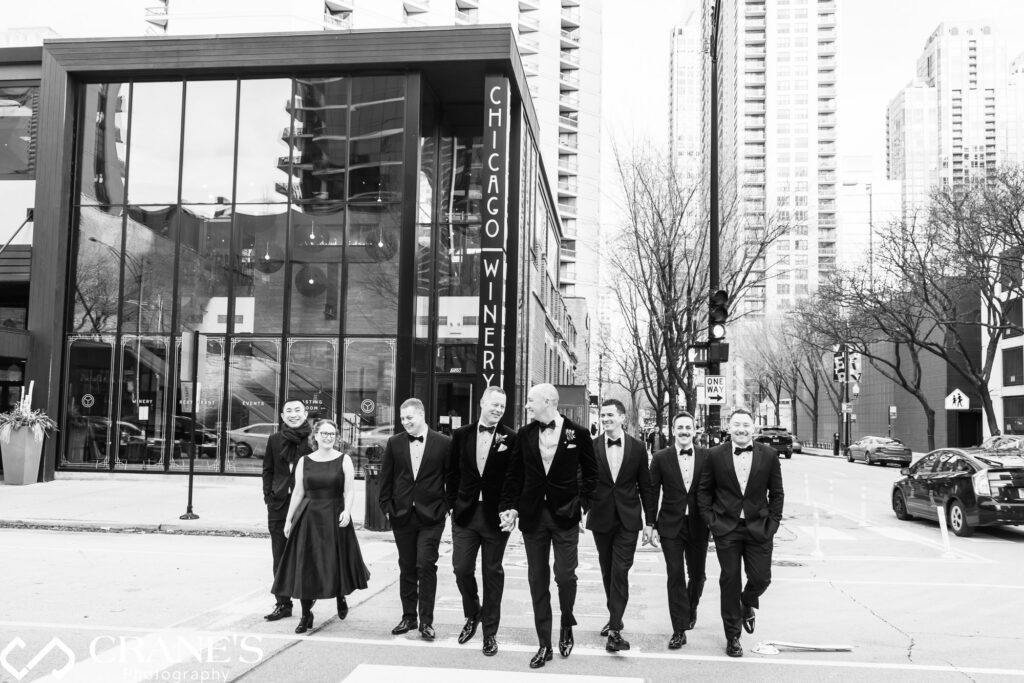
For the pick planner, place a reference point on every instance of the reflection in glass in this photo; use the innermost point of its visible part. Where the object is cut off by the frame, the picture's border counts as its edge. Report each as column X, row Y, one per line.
column 371, row 259
column 458, row 297
column 259, row 279
column 104, row 132
column 86, row 435
column 320, row 148
column 424, row 281
column 313, row 375
column 427, row 181
column 375, row 153
column 254, row 379
column 204, row 270
column 142, row 414
column 149, row 269
column 369, row 397
column 208, row 159
column 155, row 143
column 97, row 263
column 263, row 152
column 461, row 179
column 200, row 436
column 317, row 271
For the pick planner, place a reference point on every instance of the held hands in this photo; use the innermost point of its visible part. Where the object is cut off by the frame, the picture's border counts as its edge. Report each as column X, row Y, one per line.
column 344, row 518
column 583, row 522
column 650, row 536
column 508, row 520
column 287, row 528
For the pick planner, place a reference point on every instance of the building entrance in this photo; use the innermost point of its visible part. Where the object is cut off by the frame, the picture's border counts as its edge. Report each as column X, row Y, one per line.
column 453, row 402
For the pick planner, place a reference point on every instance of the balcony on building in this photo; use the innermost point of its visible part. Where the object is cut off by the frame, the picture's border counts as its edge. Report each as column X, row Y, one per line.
column 826, row 61
column 569, row 59
column 338, row 22
column 528, row 46
column 826, row 91
column 567, row 208
column 416, row 6
column 340, row 5
column 568, row 101
column 570, row 17
column 826, row 46
column 157, row 15
column 755, row 10
column 756, row 51
column 756, row 24
column 467, row 4
column 465, row 17
column 754, row 65
column 570, row 38
column 567, row 274
column 567, row 186
column 568, row 228
column 826, row 76
column 568, row 164
column 568, row 80
column 827, row 148
column 568, row 253
column 826, row 119
column 413, row 19
column 530, row 67
column 529, row 5
column 568, row 123
column 754, row 93
column 528, row 24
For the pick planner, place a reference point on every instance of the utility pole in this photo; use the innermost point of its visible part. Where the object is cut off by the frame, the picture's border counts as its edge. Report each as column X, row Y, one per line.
column 714, row 367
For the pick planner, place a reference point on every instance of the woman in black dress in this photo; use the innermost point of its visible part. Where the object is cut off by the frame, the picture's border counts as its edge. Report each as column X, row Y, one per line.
column 321, row 557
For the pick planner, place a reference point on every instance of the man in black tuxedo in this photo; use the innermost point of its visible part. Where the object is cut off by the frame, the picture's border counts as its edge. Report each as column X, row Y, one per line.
column 740, row 498
column 623, row 491
column 480, row 455
column 551, row 477
column 675, row 476
column 413, row 472
column 284, row 448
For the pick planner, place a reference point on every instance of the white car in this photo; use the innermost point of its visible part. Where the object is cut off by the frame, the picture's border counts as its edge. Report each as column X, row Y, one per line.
column 251, row 440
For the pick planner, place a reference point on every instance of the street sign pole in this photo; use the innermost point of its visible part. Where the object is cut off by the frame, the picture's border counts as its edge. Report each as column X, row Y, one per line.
column 846, row 391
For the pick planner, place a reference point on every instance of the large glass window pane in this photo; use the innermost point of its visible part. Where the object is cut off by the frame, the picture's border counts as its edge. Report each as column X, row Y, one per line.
column 260, row 277
column 263, row 132
column 369, row 398
column 461, row 178
column 200, row 356
column 86, row 430
column 208, row 161
column 155, row 143
column 142, row 414
column 104, row 131
column 376, row 133
column 97, row 263
column 458, row 297
column 254, row 380
column 204, row 269
column 317, row 247
column 313, row 375
column 371, row 259
column 149, row 269
column 321, row 128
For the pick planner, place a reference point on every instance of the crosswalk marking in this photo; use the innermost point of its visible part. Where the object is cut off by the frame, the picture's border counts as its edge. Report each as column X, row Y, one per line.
column 825, row 533
column 374, row 673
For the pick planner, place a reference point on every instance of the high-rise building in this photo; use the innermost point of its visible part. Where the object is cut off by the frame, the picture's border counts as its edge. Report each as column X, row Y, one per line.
column 686, row 83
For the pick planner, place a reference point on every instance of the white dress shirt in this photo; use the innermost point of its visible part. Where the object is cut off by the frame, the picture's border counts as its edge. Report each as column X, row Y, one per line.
column 547, row 441
column 742, row 464
column 614, row 454
column 416, row 453
column 483, row 447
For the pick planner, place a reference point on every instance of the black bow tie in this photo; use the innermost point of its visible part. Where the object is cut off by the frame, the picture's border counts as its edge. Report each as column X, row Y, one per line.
column 614, row 442
column 686, row 452
column 484, row 428
column 549, row 425
column 415, row 438
column 745, row 449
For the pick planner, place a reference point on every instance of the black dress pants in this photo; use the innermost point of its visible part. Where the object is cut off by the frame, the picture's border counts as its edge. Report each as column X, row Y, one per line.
column 615, row 553
column 538, row 544
column 477, row 537
column 684, row 556
column 734, row 548
column 417, row 544
column 277, row 542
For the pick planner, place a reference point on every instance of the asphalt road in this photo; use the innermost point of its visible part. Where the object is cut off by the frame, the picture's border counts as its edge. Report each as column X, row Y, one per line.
column 131, row 607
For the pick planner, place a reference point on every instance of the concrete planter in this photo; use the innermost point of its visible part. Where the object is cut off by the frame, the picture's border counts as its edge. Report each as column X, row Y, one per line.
column 21, row 458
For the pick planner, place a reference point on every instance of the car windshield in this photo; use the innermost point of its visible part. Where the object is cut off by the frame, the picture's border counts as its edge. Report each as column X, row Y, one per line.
column 1001, row 460
column 895, row 442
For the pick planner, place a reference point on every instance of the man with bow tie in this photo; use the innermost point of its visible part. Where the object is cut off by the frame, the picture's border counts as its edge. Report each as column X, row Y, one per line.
column 413, row 472
column 623, row 491
column 740, row 498
column 675, row 475
column 551, row 477
column 480, row 455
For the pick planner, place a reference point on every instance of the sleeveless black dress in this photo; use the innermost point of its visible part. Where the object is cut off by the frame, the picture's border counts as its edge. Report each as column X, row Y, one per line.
column 321, row 559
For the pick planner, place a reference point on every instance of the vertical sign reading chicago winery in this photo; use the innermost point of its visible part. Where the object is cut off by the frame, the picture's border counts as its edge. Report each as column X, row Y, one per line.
column 491, row 344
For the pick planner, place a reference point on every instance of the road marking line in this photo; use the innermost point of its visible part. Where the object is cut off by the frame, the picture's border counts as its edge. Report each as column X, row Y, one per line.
column 826, row 533
column 374, row 673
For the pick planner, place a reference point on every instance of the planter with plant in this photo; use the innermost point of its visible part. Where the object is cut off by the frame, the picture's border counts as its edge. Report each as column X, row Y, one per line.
column 22, row 431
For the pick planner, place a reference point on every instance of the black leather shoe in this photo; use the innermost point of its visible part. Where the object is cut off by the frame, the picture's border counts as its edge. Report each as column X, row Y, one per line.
column 543, row 655
column 616, row 643
column 749, row 617
column 490, row 646
column 404, row 626
column 427, row 632
column 342, row 607
column 280, row 612
column 305, row 623
column 734, row 649
column 469, row 630
column 604, row 630
column 565, row 641
column 677, row 640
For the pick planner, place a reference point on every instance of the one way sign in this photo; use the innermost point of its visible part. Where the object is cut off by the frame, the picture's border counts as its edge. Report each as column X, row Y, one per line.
column 714, row 389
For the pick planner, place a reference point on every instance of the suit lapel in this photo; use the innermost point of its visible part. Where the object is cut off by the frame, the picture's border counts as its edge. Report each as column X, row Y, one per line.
column 471, row 445
column 602, row 457
column 674, row 465
column 730, row 467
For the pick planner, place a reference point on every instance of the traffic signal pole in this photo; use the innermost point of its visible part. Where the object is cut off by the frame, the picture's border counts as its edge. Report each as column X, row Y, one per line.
column 714, row 368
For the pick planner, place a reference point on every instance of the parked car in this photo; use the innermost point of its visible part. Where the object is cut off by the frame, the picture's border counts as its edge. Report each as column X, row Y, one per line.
column 972, row 487
column 778, row 438
column 251, row 440
column 798, row 445
column 876, row 450
column 1003, row 442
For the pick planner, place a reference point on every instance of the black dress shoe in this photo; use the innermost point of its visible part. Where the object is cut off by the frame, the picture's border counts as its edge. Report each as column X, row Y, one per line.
column 469, row 630
column 543, row 655
column 604, row 630
column 677, row 640
column 616, row 643
column 734, row 649
column 404, row 626
column 305, row 623
column 427, row 632
column 342, row 607
column 565, row 641
column 749, row 617
column 280, row 612
column 490, row 646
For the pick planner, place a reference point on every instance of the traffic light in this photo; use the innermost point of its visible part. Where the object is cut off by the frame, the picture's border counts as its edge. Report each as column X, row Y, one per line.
column 718, row 313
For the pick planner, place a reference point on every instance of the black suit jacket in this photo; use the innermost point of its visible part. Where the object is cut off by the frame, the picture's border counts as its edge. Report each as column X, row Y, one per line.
column 618, row 503
column 400, row 494
column 565, row 489
column 279, row 473
column 466, row 482
column 720, row 498
column 679, row 516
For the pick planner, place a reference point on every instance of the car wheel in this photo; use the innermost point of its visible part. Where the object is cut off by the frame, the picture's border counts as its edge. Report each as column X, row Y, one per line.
column 849, row 455
column 899, row 506
column 957, row 518
column 243, row 450
column 789, row 455
column 867, row 458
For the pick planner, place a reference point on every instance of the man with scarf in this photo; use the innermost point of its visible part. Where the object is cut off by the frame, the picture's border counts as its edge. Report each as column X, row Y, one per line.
column 284, row 448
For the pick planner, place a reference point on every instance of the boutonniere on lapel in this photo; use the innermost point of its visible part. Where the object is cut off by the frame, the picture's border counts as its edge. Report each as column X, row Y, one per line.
column 570, row 438
column 499, row 442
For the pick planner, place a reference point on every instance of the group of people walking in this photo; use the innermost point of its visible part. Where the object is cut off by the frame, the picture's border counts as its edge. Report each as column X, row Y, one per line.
column 551, row 477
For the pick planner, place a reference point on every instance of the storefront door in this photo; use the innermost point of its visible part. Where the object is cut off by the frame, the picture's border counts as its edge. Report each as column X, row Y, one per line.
column 453, row 403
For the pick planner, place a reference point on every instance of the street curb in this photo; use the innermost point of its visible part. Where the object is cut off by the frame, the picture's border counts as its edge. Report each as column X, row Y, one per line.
column 124, row 528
